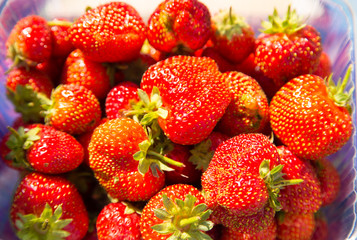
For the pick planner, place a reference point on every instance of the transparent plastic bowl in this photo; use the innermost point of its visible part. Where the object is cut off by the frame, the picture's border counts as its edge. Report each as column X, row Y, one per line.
column 334, row 20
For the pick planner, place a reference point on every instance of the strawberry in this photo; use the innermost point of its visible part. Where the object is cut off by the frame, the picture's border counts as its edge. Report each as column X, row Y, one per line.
column 118, row 221
column 287, row 48
column 21, row 86
column 324, row 68
column 312, row 119
column 321, row 231
column 176, row 26
column 48, row 207
column 232, row 36
column 82, row 71
column 53, row 68
column 223, row 64
column 44, row 149
column 110, row 32
column 176, row 211
column 61, row 44
column 248, row 110
column 111, row 157
column 193, row 93
column 304, row 197
column 293, row 226
column 30, row 41
column 119, row 98
column 329, row 179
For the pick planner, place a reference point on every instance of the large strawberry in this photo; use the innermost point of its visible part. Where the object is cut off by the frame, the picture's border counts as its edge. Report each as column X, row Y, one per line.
column 249, row 110
column 287, row 48
column 179, row 25
column 194, row 94
column 118, row 221
column 312, row 119
column 110, row 32
column 233, row 37
column 30, row 41
column 176, row 212
column 44, row 149
column 48, row 207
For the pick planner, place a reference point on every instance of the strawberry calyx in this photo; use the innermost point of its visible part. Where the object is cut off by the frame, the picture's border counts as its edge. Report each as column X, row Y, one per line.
column 29, row 103
column 291, row 24
column 57, row 22
column 46, row 226
column 229, row 24
column 337, row 91
column 19, row 142
column 201, row 154
column 182, row 219
column 18, row 58
column 274, row 181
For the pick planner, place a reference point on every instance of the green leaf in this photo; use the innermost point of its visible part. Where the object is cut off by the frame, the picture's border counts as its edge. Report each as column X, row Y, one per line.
column 162, row 214
column 143, row 96
column 163, row 228
column 168, row 204
column 205, row 226
column 199, row 209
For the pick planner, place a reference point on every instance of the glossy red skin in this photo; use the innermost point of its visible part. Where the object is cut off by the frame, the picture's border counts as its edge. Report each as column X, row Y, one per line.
column 36, row 189
column 304, row 197
column 193, row 92
column 148, row 217
column 62, row 46
column 119, row 98
column 185, row 175
column 296, row 226
column 38, row 80
column 303, row 105
column 114, row 224
column 55, row 152
column 248, row 110
column 111, row 151
column 174, row 23
column 32, row 37
column 80, row 70
column 120, row 37
column 69, row 115
column 289, row 55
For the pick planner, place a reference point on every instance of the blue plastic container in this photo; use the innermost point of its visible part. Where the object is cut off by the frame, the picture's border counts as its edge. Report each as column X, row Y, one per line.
column 334, row 20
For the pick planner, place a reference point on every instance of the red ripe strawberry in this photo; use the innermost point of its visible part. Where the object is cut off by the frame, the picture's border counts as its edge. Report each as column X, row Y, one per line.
column 93, row 75
column 321, row 231
column 175, row 25
column 324, row 68
column 176, row 211
column 295, row 226
column 119, row 99
column 30, row 41
column 194, row 94
column 304, row 197
column 223, row 64
column 119, row 38
column 232, row 36
column 48, row 207
column 266, row 234
column 248, row 111
column 310, row 118
column 74, row 109
column 329, row 178
column 43, row 149
column 187, row 174
column 111, row 151
column 118, row 221
column 287, row 48
column 61, row 44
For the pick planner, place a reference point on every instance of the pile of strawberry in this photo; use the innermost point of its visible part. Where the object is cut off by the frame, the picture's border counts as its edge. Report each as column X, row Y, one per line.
column 189, row 126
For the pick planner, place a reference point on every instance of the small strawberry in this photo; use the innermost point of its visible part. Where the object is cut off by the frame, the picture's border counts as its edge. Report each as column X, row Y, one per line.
column 287, row 48
column 48, row 207
column 30, row 41
column 118, row 221
column 329, row 178
column 312, row 119
column 61, row 44
column 176, row 212
column 110, row 32
column 90, row 74
column 119, row 98
column 321, row 231
column 248, row 110
column 44, row 149
column 194, row 94
column 179, row 25
column 295, row 226
column 232, row 36
column 304, row 197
